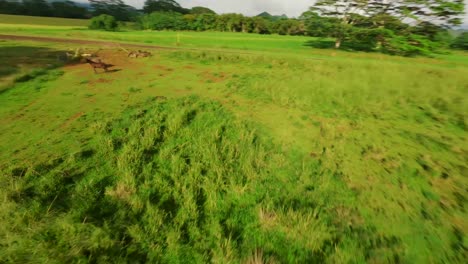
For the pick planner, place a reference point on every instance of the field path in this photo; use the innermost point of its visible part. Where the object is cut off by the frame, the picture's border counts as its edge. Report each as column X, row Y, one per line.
column 79, row 41
column 108, row 43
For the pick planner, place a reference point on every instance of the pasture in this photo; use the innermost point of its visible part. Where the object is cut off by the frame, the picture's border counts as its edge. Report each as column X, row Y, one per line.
column 230, row 148
column 42, row 21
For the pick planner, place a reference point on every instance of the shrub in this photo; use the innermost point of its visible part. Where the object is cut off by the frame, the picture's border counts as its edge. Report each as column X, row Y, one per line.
column 104, row 22
column 461, row 42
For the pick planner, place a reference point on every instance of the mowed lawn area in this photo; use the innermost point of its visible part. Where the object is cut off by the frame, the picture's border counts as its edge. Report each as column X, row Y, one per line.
column 230, row 148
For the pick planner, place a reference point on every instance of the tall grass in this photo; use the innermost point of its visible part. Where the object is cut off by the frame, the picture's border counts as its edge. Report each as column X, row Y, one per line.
column 179, row 181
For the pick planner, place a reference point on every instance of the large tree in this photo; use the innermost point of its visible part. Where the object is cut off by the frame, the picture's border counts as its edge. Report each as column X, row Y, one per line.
column 36, row 8
column 11, row 7
column 68, row 9
column 115, row 8
column 198, row 10
column 443, row 12
column 163, row 6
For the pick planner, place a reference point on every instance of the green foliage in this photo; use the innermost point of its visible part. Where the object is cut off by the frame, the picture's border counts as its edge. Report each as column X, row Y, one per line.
column 317, row 26
column 163, row 21
column 206, row 21
column 198, row 10
column 408, row 45
column 104, row 22
column 164, row 6
column 363, row 31
column 115, row 8
column 461, row 42
column 66, row 9
column 289, row 27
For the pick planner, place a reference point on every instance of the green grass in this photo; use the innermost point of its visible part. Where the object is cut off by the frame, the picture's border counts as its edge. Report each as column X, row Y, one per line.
column 199, row 156
column 42, row 21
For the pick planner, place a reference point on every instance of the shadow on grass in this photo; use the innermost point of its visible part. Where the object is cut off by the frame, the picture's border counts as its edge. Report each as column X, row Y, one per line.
column 15, row 58
column 320, row 44
column 330, row 44
column 114, row 70
column 23, row 63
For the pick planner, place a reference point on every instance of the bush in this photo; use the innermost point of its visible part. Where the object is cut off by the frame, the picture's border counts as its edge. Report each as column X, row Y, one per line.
column 461, row 42
column 104, row 22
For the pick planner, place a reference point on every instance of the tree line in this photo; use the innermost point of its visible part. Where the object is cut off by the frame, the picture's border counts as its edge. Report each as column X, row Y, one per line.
column 403, row 27
column 66, row 9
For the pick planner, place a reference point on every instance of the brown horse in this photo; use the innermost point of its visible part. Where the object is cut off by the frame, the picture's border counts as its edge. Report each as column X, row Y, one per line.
column 99, row 65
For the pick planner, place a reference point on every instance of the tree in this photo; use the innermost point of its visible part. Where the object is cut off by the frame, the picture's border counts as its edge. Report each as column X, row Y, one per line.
column 36, row 8
column 446, row 12
column 115, row 8
column 198, row 10
column 260, row 25
column 164, row 21
column 104, row 22
column 288, row 27
column 10, row 7
column 461, row 42
column 230, row 22
column 163, row 6
column 205, row 22
column 317, row 26
column 68, row 9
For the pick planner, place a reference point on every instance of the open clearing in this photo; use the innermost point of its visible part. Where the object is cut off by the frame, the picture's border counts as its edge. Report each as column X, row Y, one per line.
column 190, row 156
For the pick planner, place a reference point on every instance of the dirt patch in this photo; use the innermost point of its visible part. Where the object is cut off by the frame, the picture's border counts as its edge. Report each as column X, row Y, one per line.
column 162, row 68
column 97, row 82
column 71, row 119
column 210, row 77
column 189, row 67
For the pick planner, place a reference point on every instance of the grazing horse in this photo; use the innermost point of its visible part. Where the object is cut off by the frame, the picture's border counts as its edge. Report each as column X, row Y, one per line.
column 99, row 65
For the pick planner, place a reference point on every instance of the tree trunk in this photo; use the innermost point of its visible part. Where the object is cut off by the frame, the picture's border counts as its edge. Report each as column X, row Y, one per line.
column 337, row 43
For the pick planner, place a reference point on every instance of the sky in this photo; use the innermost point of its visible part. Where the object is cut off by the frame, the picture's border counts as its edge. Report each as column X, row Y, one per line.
column 292, row 8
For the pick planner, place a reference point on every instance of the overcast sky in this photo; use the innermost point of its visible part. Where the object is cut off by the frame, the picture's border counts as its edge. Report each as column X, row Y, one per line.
column 292, row 8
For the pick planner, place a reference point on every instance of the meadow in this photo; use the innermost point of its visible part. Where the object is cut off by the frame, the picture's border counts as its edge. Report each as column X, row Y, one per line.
column 42, row 21
column 230, row 148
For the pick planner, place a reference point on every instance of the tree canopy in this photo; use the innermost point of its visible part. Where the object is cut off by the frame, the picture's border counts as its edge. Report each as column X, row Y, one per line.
column 115, row 8
column 461, row 42
column 67, row 9
column 410, row 26
column 445, row 12
column 151, row 6
column 197, row 10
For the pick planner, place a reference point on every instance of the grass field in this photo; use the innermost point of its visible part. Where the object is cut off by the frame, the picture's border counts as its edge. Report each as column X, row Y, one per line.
column 42, row 21
column 265, row 151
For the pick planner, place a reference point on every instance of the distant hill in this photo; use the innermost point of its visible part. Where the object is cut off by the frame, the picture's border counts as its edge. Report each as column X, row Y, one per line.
column 269, row 16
